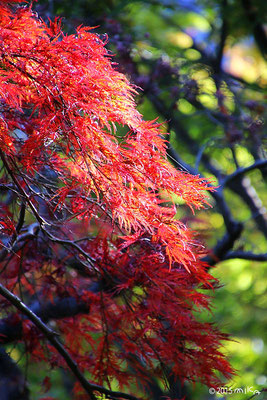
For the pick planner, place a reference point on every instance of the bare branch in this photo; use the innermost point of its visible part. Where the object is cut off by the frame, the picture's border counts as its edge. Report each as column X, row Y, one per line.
column 70, row 243
column 257, row 393
column 224, row 29
column 245, row 255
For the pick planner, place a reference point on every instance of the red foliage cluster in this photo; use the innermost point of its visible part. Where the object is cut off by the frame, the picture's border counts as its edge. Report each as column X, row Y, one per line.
column 101, row 230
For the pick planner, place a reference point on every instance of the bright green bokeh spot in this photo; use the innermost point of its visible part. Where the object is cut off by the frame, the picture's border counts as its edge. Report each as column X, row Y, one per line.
column 185, row 107
column 201, row 74
column 192, row 19
column 199, row 22
column 207, row 86
column 208, row 101
column 260, row 287
column 180, row 39
column 192, row 54
column 216, row 220
column 244, row 281
column 244, row 157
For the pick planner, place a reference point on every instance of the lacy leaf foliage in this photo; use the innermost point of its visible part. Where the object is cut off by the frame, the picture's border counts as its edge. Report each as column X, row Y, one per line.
column 98, row 211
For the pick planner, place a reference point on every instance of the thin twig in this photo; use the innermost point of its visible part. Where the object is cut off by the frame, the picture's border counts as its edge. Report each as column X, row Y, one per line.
column 257, row 393
column 22, row 191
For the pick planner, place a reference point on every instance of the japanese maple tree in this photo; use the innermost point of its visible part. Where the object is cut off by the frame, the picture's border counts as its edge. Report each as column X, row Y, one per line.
column 97, row 274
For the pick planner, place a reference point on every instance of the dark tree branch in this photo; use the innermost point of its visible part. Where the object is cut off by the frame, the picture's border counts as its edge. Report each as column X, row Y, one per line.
column 12, row 241
column 60, row 308
column 69, row 243
column 224, row 245
column 245, row 255
column 20, row 241
column 259, row 164
column 234, row 229
column 4, row 187
column 257, row 393
column 224, row 30
column 21, row 218
column 242, row 187
column 249, row 196
column 31, row 232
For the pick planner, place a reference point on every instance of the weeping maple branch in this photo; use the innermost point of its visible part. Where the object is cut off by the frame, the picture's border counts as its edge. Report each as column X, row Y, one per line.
column 52, row 337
